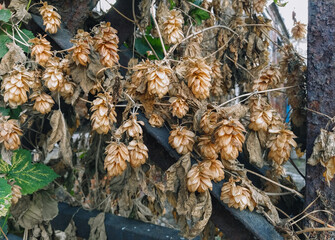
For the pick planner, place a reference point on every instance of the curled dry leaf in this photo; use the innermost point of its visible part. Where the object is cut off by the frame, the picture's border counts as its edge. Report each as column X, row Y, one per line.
column 254, row 149
column 97, row 225
column 60, row 134
column 324, row 153
column 20, row 9
column 192, row 211
column 14, row 56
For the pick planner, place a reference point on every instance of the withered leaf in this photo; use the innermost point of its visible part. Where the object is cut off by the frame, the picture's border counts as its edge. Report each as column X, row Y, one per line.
column 70, row 231
column 60, row 134
column 254, row 149
column 98, row 230
column 177, row 172
column 6, row 155
column 236, row 111
column 42, row 208
column 14, row 55
column 20, row 9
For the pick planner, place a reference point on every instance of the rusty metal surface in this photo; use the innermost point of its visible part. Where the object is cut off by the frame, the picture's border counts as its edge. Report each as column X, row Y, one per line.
column 321, row 94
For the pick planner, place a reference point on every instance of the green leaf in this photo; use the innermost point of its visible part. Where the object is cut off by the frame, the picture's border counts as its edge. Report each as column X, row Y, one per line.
column 142, row 46
column 172, row 4
column 279, row 3
column 199, row 15
column 4, row 39
column 24, row 36
column 4, row 226
column 5, row 15
column 30, row 177
column 196, row 2
column 5, row 197
column 4, row 111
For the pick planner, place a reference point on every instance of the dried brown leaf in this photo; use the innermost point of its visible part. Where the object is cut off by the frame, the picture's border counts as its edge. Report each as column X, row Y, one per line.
column 19, row 7
column 97, row 225
column 236, row 111
column 14, row 55
column 60, row 134
column 6, row 155
column 70, row 231
column 254, row 149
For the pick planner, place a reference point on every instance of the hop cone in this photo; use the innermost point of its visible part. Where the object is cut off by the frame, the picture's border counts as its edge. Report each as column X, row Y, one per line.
column 182, row 140
column 10, row 134
column 178, row 106
column 51, row 19
column 117, row 156
column 41, row 50
column 43, row 102
column 138, row 153
column 172, row 27
column 104, row 114
column 199, row 178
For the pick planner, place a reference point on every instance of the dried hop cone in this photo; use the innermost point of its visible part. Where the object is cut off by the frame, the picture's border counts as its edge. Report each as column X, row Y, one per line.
column 207, row 147
column 237, row 196
column 280, row 144
column 299, row 31
column 199, row 77
column 41, row 49
column 104, row 114
column 16, row 193
column 216, row 170
column 138, row 153
column 156, row 120
column 133, row 127
column 178, row 106
column 81, row 48
column 117, row 156
column 173, row 27
column 16, row 85
column 10, row 133
column 259, row 5
column 199, row 178
column 260, row 118
column 51, row 19
column 208, row 121
column 229, row 138
column 268, row 77
column 182, row 140
column 43, row 102
column 53, row 75
column 217, row 77
column 106, row 43
column 158, row 80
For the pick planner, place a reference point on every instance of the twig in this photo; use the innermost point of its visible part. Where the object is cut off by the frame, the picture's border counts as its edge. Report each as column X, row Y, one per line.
column 321, row 229
column 157, row 27
column 3, row 233
column 309, row 205
column 240, row 66
column 296, row 168
column 220, row 48
column 320, row 221
column 13, row 38
column 307, row 214
column 278, row 184
column 142, row 31
column 321, row 114
column 196, row 33
column 130, row 20
column 278, row 194
column 284, row 213
column 253, row 93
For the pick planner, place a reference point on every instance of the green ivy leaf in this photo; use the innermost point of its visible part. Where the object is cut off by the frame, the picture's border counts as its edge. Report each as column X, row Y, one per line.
column 199, row 15
column 25, row 36
column 5, row 197
column 5, row 15
column 30, row 177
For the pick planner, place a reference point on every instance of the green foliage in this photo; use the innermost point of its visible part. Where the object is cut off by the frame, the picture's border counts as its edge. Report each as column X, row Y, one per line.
column 199, row 15
column 4, row 226
column 142, row 46
column 4, row 39
column 279, row 3
column 13, row 113
column 5, row 197
column 5, row 15
column 30, row 177
column 172, row 4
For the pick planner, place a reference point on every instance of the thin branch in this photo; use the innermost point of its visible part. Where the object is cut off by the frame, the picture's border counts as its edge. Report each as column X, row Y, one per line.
column 321, row 114
column 278, row 184
column 196, row 33
column 321, row 229
column 3, row 233
column 240, row 66
column 157, row 27
column 130, row 20
column 253, row 93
